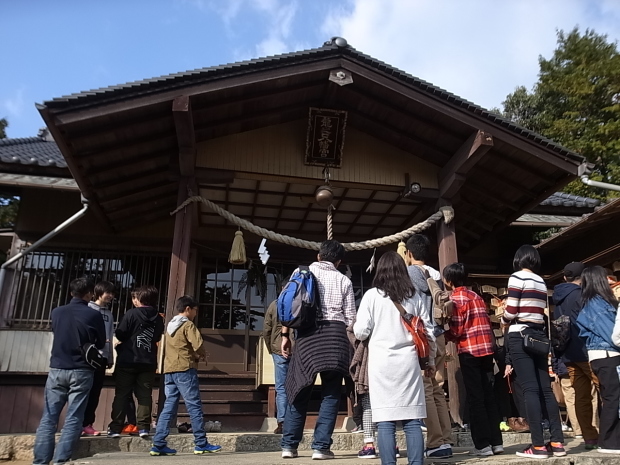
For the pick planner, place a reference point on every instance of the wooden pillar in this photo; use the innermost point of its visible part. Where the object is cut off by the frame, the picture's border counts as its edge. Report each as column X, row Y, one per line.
column 181, row 242
column 182, row 238
column 446, row 241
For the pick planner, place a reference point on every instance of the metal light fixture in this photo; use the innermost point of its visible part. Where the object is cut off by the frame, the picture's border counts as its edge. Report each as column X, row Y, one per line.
column 415, row 188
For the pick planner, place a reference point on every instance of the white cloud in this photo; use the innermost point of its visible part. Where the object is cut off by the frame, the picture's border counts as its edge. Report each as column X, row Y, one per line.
column 478, row 49
column 274, row 17
column 15, row 104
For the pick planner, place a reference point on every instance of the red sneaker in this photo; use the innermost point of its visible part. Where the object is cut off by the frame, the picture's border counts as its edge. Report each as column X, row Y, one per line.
column 90, row 431
column 130, row 429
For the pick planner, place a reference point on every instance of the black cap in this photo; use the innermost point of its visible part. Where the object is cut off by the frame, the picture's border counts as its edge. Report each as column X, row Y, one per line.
column 573, row 270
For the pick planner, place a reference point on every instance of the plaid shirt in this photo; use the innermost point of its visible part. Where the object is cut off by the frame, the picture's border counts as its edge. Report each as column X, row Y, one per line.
column 336, row 291
column 470, row 326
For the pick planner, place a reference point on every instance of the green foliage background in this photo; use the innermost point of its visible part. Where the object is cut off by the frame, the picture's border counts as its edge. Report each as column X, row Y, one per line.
column 576, row 102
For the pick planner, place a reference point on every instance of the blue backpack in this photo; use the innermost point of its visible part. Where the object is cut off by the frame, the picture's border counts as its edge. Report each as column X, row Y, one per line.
column 299, row 304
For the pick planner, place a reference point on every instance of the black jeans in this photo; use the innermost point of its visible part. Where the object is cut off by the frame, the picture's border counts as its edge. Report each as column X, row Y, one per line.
column 532, row 373
column 609, row 423
column 93, row 396
column 137, row 380
column 484, row 416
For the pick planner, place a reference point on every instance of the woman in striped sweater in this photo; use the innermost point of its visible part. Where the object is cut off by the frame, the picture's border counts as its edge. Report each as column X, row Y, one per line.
column 525, row 313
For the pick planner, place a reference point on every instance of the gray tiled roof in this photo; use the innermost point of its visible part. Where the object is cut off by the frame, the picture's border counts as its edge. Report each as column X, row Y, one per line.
column 561, row 199
column 31, row 151
column 329, row 49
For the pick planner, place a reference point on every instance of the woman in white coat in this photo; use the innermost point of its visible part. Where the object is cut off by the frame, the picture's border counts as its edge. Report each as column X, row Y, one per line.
column 395, row 379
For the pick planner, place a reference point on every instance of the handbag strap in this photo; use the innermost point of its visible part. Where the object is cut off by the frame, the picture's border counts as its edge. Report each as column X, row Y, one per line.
column 400, row 308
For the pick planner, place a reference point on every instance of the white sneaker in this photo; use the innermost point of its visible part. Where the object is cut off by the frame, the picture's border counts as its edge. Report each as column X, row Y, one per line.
column 322, row 455
column 608, row 451
column 484, row 452
column 289, row 453
column 497, row 450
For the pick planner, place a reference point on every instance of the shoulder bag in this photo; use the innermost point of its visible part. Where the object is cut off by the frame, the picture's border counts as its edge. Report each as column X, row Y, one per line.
column 415, row 326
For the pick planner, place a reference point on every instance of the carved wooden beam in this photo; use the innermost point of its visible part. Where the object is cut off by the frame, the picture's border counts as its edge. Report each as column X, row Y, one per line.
column 186, row 137
column 453, row 174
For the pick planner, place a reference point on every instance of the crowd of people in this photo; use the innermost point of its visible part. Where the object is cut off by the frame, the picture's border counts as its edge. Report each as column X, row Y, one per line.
column 76, row 377
column 367, row 346
column 374, row 348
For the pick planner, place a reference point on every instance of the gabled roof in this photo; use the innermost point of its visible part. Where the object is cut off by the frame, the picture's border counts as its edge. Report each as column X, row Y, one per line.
column 123, row 143
column 334, row 47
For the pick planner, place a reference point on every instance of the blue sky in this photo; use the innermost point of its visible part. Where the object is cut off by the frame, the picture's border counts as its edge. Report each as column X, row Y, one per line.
column 478, row 49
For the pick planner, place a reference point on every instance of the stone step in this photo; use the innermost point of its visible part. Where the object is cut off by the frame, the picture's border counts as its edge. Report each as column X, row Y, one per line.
column 19, row 447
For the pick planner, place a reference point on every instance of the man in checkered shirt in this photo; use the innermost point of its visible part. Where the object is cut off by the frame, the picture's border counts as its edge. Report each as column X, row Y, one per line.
column 325, row 350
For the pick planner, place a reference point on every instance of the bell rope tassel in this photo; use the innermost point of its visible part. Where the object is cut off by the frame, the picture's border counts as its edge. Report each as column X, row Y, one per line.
column 237, row 253
column 402, row 250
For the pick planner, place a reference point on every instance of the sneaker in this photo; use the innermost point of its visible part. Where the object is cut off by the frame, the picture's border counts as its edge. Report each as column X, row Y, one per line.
column 289, row 453
column 497, row 449
column 164, row 450
column 447, row 447
column 90, row 431
column 144, row 433
column 130, row 429
column 322, row 455
column 534, row 453
column 438, row 452
column 556, row 449
column 112, row 434
column 368, row 452
column 608, row 451
column 357, row 429
column 397, row 452
column 591, row 444
column 484, row 452
column 209, row 448
column 564, row 427
column 503, row 427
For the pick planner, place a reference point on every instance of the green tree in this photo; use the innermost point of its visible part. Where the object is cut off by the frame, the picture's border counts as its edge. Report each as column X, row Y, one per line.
column 9, row 205
column 576, row 102
column 3, row 125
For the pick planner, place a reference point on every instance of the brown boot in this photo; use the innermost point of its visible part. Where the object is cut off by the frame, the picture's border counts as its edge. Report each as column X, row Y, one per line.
column 512, row 423
column 278, row 430
column 521, row 425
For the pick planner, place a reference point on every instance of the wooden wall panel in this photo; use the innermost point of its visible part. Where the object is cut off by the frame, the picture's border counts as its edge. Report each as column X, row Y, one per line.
column 279, row 150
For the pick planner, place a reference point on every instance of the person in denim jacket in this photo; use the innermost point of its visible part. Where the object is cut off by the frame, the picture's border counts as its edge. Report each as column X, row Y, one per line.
column 596, row 323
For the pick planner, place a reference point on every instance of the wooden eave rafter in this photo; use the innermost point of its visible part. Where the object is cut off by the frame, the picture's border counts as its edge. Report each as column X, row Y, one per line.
column 454, row 172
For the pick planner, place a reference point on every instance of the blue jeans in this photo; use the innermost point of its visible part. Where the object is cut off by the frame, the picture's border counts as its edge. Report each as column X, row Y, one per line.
column 281, row 369
column 62, row 386
column 181, row 383
column 386, row 440
column 331, row 387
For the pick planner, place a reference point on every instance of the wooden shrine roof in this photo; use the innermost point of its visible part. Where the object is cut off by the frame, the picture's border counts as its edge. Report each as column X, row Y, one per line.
column 122, row 143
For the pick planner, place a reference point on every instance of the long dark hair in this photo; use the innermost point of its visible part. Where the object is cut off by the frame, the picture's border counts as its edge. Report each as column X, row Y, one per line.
column 594, row 283
column 392, row 277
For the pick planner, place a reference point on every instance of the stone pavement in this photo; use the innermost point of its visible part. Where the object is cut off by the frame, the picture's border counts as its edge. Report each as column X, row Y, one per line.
column 254, row 449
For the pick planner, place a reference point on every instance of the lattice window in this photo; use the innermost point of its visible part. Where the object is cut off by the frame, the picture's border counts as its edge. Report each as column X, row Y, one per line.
column 41, row 281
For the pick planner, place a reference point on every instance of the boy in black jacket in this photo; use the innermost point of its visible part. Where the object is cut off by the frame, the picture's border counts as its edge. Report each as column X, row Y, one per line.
column 136, row 361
